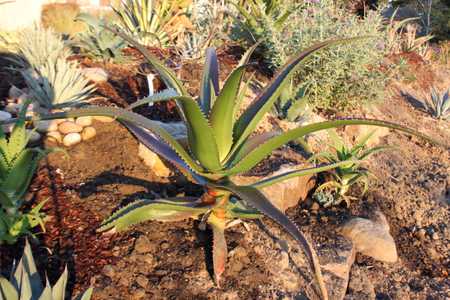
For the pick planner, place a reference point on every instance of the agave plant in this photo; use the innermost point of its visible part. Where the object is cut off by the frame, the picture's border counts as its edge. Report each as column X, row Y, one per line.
column 146, row 20
column 439, row 105
column 17, row 166
column 220, row 145
column 346, row 175
column 292, row 104
column 25, row 282
column 57, row 84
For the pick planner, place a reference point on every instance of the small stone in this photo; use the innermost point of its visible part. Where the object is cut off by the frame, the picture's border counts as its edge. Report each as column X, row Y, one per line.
column 153, row 161
column 69, row 127
column 165, row 245
column 95, row 74
column 84, row 121
column 138, row 294
column 4, row 115
column 315, row 207
column 88, row 133
column 71, row 139
column 34, row 136
column 143, row 245
column 371, row 238
column 46, row 126
column 421, row 234
column 109, row 271
column 54, row 136
column 104, row 119
column 435, row 236
column 142, row 281
column 14, row 92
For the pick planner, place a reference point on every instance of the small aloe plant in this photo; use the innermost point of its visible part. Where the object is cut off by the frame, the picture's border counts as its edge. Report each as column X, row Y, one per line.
column 220, row 145
column 439, row 105
column 346, row 175
column 26, row 284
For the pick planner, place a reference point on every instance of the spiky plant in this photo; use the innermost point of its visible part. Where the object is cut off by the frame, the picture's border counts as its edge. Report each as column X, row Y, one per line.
column 292, row 104
column 439, row 105
column 220, row 145
column 25, row 282
column 146, row 20
column 346, row 175
column 57, row 84
column 17, row 166
column 98, row 43
column 38, row 45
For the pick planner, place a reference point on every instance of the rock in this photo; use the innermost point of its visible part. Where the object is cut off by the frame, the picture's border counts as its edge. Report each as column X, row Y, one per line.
column 337, row 256
column 46, row 126
column 13, row 108
column 95, row 74
column 84, row 121
column 4, row 115
column 104, row 119
column 153, row 161
column 143, row 245
column 371, row 237
column 69, row 127
column 138, row 294
column 109, row 271
column 360, row 286
column 34, row 136
column 353, row 133
column 287, row 193
column 55, row 136
column 71, row 139
column 14, row 92
column 142, row 281
column 88, row 133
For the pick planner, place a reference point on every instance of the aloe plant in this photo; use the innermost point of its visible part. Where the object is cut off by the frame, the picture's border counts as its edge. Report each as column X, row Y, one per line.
column 25, row 282
column 292, row 104
column 220, row 144
column 98, row 43
column 17, row 166
column 334, row 191
column 439, row 105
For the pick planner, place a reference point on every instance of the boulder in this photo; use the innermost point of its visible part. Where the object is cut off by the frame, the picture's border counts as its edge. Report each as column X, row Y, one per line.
column 371, row 237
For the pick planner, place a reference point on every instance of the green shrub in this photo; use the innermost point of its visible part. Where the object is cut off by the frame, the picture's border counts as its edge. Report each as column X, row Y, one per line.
column 341, row 77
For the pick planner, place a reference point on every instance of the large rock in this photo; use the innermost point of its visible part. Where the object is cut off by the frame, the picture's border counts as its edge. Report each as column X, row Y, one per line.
column 96, row 75
column 371, row 237
column 285, row 194
column 336, row 257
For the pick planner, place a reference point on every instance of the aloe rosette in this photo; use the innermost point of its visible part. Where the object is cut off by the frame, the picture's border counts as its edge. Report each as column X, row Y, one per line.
column 220, row 144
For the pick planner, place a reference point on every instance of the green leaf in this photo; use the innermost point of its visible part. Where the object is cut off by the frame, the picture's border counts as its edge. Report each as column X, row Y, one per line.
column 209, row 87
column 253, row 114
column 255, row 156
column 86, row 295
column 159, row 210
column 7, row 290
column 255, row 198
column 59, row 289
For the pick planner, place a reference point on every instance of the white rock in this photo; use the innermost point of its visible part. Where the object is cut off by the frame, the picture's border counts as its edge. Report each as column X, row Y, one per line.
column 14, row 92
column 104, row 119
column 371, row 237
column 54, row 136
column 34, row 136
column 4, row 115
column 71, row 139
column 88, row 133
column 84, row 121
column 46, row 126
column 69, row 127
column 95, row 74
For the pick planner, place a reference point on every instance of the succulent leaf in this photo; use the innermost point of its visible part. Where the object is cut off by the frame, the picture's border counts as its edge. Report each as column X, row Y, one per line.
column 209, row 87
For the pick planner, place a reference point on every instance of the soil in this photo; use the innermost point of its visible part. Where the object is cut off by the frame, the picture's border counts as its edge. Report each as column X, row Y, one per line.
column 173, row 260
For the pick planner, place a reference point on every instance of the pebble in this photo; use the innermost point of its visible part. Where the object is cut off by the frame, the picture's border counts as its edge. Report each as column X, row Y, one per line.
column 4, row 115
column 46, row 126
column 88, row 133
column 143, row 245
column 71, row 139
column 69, row 127
column 34, row 136
column 54, row 136
column 435, row 236
column 84, row 121
column 104, row 119
column 315, row 207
